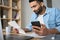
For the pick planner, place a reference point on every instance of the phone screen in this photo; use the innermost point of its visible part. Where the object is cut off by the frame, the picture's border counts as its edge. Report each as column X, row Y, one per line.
column 36, row 23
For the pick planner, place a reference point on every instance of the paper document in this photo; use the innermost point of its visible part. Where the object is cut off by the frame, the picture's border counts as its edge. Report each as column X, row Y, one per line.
column 21, row 31
column 34, row 35
column 15, row 25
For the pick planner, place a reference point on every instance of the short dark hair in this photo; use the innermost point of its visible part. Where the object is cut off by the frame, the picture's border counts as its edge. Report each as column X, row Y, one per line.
column 36, row 0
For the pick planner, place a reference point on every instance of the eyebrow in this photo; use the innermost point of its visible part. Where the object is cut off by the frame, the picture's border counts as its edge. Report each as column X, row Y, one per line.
column 33, row 6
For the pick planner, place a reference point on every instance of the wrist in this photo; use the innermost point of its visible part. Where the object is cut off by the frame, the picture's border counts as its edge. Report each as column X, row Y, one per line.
column 53, row 31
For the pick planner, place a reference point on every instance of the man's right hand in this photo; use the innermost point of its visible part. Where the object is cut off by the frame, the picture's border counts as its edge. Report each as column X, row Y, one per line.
column 17, row 32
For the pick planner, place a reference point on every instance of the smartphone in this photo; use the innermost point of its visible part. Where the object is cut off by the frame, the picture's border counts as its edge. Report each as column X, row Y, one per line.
column 36, row 23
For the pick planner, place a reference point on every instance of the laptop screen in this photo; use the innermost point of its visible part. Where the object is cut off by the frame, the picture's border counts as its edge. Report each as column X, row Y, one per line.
column 1, row 33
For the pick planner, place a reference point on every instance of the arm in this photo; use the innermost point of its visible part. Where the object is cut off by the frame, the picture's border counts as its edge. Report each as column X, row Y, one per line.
column 29, row 26
column 57, row 11
column 54, row 31
column 57, row 22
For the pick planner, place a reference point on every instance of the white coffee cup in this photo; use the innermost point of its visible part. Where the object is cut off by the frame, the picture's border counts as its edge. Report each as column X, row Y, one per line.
column 4, row 16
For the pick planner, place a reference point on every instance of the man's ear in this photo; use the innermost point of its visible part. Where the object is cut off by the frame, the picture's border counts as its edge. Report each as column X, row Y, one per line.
column 41, row 3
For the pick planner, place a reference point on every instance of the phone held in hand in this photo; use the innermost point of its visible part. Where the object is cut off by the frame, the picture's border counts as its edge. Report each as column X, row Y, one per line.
column 36, row 23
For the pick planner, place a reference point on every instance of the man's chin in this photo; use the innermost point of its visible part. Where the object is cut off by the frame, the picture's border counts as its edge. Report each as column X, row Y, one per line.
column 36, row 12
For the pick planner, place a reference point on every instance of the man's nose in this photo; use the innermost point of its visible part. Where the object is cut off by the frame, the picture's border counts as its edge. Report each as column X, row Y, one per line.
column 33, row 9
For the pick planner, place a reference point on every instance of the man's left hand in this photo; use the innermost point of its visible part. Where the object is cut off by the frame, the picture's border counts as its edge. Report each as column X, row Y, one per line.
column 41, row 30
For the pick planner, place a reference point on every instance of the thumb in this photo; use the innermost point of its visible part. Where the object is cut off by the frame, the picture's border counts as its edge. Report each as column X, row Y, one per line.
column 43, row 26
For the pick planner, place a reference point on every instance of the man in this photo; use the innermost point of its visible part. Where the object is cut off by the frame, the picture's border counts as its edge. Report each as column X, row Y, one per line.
column 49, row 18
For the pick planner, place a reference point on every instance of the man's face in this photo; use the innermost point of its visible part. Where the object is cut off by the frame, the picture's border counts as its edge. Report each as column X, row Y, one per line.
column 36, row 7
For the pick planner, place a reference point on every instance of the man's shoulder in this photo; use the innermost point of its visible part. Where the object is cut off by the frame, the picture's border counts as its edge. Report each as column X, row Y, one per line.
column 53, row 9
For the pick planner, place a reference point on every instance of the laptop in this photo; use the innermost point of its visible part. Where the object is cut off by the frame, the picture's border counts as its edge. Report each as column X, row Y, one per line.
column 1, row 33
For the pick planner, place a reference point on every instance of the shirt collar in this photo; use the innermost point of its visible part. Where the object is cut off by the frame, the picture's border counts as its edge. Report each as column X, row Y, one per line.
column 47, row 11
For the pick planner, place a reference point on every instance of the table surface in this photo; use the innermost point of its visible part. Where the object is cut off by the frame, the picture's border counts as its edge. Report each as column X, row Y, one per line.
column 50, row 37
column 17, row 37
column 14, row 36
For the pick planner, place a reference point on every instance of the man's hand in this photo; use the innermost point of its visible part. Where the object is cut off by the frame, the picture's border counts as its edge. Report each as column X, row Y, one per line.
column 16, row 30
column 41, row 30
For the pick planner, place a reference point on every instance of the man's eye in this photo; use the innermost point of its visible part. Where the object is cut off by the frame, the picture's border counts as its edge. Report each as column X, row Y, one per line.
column 34, row 6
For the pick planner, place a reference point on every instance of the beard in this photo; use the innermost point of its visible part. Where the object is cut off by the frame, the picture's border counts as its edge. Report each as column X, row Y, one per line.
column 39, row 10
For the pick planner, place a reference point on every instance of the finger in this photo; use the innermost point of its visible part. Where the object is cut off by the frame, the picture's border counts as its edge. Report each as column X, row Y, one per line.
column 15, row 30
column 36, row 27
column 40, row 33
column 43, row 26
column 36, row 31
